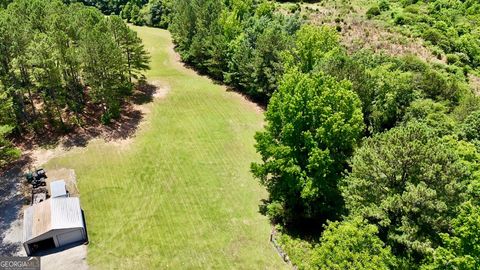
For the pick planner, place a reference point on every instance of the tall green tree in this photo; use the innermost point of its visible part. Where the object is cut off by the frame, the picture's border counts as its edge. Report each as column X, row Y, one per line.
column 183, row 27
column 137, row 58
column 312, row 43
column 47, row 75
column 104, row 70
column 313, row 123
column 410, row 183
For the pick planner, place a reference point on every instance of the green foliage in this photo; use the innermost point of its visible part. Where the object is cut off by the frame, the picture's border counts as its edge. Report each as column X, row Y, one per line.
column 393, row 93
column 461, row 249
column 311, row 45
column 373, row 11
column 452, row 26
column 64, row 56
column 471, row 127
column 468, row 103
column 313, row 123
column 234, row 42
column 400, row 19
column 384, row 5
column 300, row 252
column 409, row 182
column 8, row 152
column 156, row 13
column 440, row 85
column 4, row 3
column 351, row 244
column 433, row 114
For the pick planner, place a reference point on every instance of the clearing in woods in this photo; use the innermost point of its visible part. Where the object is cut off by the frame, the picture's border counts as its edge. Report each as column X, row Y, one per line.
column 179, row 194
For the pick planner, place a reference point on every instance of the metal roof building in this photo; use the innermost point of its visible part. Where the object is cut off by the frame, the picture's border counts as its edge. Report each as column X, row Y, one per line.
column 53, row 223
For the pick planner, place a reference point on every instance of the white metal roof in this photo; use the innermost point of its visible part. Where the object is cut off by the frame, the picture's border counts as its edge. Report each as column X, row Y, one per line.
column 58, row 189
column 52, row 214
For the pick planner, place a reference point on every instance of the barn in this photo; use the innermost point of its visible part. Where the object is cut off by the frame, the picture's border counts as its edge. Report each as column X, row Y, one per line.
column 53, row 223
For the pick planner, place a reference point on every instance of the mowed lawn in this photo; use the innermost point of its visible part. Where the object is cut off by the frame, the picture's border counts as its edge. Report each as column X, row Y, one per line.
column 180, row 194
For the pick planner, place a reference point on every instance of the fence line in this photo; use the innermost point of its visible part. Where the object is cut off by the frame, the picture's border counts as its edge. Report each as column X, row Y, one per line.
column 279, row 249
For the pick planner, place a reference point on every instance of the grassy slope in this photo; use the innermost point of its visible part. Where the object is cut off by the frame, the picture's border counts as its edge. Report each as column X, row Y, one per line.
column 181, row 195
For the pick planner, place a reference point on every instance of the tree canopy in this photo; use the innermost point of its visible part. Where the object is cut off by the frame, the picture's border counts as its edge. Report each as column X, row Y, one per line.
column 313, row 123
column 410, row 183
column 352, row 244
column 57, row 59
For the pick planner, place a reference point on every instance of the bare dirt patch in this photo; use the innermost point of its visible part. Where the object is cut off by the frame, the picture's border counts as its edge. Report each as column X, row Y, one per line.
column 162, row 89
column 12, row 200
column 78, row 136
column 475, row 83
column 358, row 34
column 40, row 148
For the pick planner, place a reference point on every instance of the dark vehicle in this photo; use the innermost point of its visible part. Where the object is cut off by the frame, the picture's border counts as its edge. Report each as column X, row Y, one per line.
column 36, row 178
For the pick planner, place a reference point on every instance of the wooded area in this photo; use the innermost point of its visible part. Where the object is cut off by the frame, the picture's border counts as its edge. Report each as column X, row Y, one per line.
column 56, row 60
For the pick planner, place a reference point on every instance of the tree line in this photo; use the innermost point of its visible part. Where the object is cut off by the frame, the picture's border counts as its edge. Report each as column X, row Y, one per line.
column 155, row 13
column 56, row 59
column 377, row 154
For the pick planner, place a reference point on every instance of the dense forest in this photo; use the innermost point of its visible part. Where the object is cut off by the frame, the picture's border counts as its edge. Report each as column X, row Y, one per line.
column 371, row 161
column 57, row 59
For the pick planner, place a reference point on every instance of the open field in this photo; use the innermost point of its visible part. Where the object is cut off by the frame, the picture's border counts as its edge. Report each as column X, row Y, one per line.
column 179, row 195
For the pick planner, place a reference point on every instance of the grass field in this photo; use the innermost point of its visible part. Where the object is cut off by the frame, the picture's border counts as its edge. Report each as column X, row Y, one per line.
column 180, row 194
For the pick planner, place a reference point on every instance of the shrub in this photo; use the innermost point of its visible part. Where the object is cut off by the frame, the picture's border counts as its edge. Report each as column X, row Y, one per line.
column 434, row 36
column 471, row 127
column 437, row 52
column 452, row 59
column 373, row 11
column 352, row 244
column 384, row 5
column 412, row 9
column 275, row 212
column 400, row 19
column 294, row 8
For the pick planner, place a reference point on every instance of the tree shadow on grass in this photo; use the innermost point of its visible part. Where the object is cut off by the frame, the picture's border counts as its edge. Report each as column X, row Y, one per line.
column 144, row 93
column 124, row 127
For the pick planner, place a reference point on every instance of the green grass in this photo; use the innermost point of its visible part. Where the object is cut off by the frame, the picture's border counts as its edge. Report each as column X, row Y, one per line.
column 179, row 196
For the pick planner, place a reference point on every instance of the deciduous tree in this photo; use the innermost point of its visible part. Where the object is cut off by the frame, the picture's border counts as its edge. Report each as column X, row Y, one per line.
column 313, row 123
